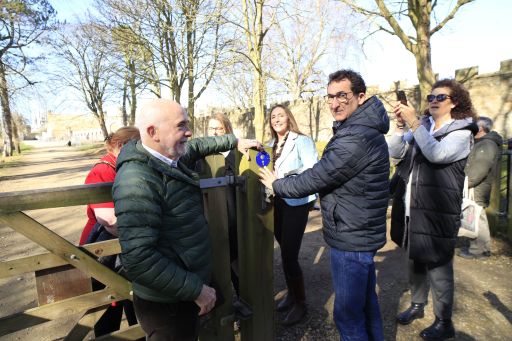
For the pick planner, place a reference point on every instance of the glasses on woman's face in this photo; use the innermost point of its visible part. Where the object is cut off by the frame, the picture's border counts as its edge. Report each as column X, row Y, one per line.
column 219, row 129
column 439, row 98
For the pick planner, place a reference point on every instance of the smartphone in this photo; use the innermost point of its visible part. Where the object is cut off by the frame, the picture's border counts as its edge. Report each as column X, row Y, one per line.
column 400, row 96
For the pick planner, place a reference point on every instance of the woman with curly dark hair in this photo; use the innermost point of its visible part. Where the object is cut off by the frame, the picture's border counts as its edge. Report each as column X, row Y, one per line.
column 434, row 153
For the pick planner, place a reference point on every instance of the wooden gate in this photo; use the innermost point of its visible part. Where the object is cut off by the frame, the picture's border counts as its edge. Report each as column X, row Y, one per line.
column 78, row 309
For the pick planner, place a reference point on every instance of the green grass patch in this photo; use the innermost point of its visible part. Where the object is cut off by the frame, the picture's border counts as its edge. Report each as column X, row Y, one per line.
column 90, row 147
column 25, row 147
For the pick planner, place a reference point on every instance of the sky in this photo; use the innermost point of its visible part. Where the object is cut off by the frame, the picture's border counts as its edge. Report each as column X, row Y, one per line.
column 479, row 35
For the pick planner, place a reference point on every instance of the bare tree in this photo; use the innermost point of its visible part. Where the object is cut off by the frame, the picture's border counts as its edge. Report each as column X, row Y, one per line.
column 90, row 70
column 423, row 16
column 300, row 39
column 22, row 24
column 254, row 29
column 133, row 55
column 234, row 83
column 178, row 41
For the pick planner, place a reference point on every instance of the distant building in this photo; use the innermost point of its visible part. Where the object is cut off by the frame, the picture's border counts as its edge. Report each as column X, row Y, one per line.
column 77, row 128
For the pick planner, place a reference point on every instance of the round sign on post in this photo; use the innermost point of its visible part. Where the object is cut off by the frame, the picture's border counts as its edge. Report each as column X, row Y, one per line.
column 262, row 159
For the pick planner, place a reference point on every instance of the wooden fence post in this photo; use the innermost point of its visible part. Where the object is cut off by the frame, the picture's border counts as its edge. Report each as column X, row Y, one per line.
column 220, row 326
column 256, row 249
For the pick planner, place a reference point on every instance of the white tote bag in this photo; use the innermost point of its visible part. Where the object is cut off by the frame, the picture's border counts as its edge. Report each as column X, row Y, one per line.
column 470, row 215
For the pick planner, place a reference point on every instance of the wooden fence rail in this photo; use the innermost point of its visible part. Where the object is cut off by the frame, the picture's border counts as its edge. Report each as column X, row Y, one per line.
column 84, row 309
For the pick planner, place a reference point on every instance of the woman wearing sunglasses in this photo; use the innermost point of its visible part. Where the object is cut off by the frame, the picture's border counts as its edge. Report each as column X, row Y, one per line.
column 434, row 151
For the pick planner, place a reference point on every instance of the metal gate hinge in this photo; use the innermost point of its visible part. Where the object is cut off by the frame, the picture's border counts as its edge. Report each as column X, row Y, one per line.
column 229, row 180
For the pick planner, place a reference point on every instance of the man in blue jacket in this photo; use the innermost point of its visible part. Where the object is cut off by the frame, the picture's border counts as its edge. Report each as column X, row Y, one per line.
column 352, row 180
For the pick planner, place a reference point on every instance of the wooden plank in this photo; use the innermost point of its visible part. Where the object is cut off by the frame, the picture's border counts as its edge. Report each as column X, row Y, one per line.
column 72, row 254
column 53, row 311
column 59, row 283
column 86, row 324
column 47, row 260
column 256, row 250
column 131, row 333
column 55, row 197
column 47, row 331
column 216, row 213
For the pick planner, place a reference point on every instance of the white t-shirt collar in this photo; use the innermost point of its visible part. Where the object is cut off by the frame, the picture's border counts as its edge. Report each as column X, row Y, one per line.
column 161, row 157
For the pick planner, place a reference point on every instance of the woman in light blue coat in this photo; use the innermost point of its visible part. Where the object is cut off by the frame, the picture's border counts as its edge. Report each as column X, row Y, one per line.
column 292, row 153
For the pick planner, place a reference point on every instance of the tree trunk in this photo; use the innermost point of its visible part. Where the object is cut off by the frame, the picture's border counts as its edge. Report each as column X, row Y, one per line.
column 254, row 37
column 259, row 105
column 125, row 99
column 133, row 92
column 422, row 53
column 100, row 114
column 7, row 124
column 190, row 23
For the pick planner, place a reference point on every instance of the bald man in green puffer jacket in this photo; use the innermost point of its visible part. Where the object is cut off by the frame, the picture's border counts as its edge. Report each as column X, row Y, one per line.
column 166, row 249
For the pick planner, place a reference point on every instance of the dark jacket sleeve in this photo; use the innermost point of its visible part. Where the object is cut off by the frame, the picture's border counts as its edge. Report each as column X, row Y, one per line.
column 200, row 147
column 481, row 162
column 342, row 159
column 138, row 196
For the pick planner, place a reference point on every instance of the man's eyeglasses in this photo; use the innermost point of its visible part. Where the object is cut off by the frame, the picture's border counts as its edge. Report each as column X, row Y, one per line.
column 215, row 128
column 439, row 98
column 340, row 97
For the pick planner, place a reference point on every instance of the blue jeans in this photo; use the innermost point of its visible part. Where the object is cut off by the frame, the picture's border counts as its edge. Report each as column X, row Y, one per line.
column 356, row 308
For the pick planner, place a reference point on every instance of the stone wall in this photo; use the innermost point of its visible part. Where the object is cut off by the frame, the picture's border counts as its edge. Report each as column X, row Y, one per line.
column 491, row 94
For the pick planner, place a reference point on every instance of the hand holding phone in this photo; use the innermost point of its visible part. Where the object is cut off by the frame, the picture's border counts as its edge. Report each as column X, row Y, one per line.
column 400, row 96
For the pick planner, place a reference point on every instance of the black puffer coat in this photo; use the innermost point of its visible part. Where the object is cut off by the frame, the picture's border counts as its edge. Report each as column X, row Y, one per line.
column 436, row 199
column 352, row 180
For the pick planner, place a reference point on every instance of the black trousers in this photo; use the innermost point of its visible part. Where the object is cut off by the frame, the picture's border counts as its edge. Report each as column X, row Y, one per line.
column 423, row 276
column 289, row 226
column 167, row 321
column 110, row 321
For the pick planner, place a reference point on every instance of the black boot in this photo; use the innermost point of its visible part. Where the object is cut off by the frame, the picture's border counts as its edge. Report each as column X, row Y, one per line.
column 415, row 311
column 298, row 309
column 288, row 301
column 439, row 330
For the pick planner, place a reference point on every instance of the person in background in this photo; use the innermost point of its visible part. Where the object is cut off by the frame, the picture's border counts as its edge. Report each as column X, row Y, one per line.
column 101, row 225
column 481, row 170
column 292, row 153
column 434, row 152
column 166, row 249
column 352, row 179
column 219, row 125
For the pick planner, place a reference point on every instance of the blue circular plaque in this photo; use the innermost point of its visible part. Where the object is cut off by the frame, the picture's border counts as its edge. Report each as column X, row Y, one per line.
column 262, row 159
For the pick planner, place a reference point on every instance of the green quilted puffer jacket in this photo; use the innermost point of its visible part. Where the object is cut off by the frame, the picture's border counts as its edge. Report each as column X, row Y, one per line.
column 165, row 243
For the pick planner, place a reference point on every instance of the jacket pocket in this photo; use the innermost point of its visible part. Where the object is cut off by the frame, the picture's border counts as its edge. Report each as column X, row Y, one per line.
column 328, row 212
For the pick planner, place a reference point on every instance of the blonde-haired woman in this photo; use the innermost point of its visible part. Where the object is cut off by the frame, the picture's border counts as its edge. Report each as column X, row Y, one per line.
column 292, row 153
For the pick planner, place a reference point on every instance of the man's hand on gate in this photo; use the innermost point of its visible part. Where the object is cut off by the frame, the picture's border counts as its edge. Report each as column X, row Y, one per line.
column 244, row 145
column 206, row 300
